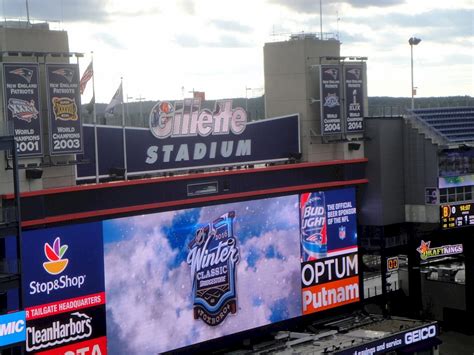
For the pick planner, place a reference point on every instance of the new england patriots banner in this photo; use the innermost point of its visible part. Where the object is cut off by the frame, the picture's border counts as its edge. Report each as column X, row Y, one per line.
column 354, row 94
column 64, row 107
column 331, row 109
column 23, row 107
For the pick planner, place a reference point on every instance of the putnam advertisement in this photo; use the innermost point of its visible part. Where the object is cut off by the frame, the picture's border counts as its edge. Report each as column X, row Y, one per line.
column 64, row 106
column 23, row 107
column 328, row 230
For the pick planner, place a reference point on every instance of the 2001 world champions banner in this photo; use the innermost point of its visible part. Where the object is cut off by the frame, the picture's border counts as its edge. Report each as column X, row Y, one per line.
column 64, row 106
column 23, row 107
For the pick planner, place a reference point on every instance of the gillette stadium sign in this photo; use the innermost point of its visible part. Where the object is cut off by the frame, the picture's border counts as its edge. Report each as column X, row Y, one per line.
column 182, row 135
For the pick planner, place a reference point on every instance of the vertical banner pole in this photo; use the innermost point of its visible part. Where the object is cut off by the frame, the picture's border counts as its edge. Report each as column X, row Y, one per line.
column 124, row 139
column 94, row 118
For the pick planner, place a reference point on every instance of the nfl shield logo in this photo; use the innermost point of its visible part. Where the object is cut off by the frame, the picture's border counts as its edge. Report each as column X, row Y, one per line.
column 342, row 232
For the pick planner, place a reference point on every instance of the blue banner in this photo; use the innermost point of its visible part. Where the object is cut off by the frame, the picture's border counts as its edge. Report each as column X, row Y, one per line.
column 64, row 103
column 262, row 141
column 354, row 94
column 12, row 328
column 62, row 263
column 331, row 107
column 23, row 107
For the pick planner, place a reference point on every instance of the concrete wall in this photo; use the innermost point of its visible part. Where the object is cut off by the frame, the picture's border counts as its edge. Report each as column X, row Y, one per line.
column 291, row 82
column 421, row 171
column 383, row 197
column 35, row 40
column 437, row 295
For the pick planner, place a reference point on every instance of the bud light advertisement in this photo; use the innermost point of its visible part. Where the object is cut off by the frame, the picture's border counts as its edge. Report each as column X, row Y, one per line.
column 64, row 107
column 354, row 94
column 23, row 107
column 331, row 106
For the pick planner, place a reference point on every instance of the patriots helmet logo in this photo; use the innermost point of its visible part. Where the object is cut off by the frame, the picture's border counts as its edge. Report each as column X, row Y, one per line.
column 26, row 74
column 66, row 73
column 355, row 72
column 332, row 72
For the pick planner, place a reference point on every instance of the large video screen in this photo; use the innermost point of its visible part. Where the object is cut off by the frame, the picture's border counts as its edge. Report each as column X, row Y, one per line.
column 178, row 278
column 182, row 277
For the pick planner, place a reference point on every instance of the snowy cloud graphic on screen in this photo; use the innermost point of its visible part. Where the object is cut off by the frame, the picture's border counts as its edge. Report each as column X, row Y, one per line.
column 149, row 286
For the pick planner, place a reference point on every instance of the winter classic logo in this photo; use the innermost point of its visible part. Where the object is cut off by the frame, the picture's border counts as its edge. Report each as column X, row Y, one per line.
column 213, row 255
column 54, row 266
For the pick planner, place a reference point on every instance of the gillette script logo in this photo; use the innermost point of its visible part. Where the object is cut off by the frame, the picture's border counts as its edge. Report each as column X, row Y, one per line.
column 77, row 327
column 213, row 255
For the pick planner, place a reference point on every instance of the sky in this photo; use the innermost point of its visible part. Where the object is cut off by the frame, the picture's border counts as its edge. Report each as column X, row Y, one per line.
column 166, row 49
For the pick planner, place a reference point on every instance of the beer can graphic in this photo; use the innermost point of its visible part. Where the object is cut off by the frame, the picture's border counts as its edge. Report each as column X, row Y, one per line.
column 313, row 228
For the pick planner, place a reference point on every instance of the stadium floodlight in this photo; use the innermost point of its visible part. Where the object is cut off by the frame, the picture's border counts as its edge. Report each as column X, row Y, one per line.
column 413, row 41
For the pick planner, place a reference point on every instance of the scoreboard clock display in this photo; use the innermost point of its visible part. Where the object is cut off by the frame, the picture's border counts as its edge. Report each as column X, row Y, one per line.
column 455, row 216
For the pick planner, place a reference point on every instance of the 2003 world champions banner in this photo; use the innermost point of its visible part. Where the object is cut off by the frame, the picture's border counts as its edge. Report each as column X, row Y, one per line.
column 329, row 260
column 23, row 107
column 64, row 106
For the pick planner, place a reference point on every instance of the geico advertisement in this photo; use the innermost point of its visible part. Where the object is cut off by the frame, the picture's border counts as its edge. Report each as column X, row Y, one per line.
column 328, row 232
column 62, row 263
column 65, row 329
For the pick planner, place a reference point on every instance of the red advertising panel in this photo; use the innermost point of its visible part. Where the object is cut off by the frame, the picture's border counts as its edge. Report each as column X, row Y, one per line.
column 96, row 346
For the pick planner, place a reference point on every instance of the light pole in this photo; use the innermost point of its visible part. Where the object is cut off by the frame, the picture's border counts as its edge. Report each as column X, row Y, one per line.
column 247, row 98
column 413, row 41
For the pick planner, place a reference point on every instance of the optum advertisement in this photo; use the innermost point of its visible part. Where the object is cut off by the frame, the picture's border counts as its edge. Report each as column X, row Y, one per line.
column 177, row 278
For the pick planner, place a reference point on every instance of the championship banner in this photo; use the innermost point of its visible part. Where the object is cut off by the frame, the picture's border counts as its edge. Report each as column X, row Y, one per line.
column 64, row 107
column 331, row 109
column 354, row 94
column 23, row 107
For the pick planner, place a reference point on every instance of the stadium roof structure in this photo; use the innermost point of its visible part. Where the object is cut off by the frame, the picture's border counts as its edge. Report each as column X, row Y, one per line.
column 454, row 125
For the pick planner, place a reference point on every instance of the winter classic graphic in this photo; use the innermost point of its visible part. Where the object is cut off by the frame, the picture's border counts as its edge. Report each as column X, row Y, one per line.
column 213, row 254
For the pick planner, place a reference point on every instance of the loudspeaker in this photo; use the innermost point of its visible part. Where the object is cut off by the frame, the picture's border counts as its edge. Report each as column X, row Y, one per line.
column 34, row 173
column 353, row 146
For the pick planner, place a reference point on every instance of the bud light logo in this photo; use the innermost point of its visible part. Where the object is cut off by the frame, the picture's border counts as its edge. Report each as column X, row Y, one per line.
column 213, row 255
column 313, row 226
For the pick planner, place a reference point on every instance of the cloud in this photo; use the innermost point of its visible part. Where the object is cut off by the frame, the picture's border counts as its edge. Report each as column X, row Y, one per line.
column 149, row 287
column 311, row 6
column 231, row 26
column 224, row 41
column 187, row 6
column 54, row 10
column 110, row 40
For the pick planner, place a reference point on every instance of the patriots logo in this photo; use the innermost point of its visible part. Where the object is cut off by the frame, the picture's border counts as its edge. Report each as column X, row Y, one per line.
column 26, row 74
column 66, row 73
column 333, row 72
column 355, row 72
